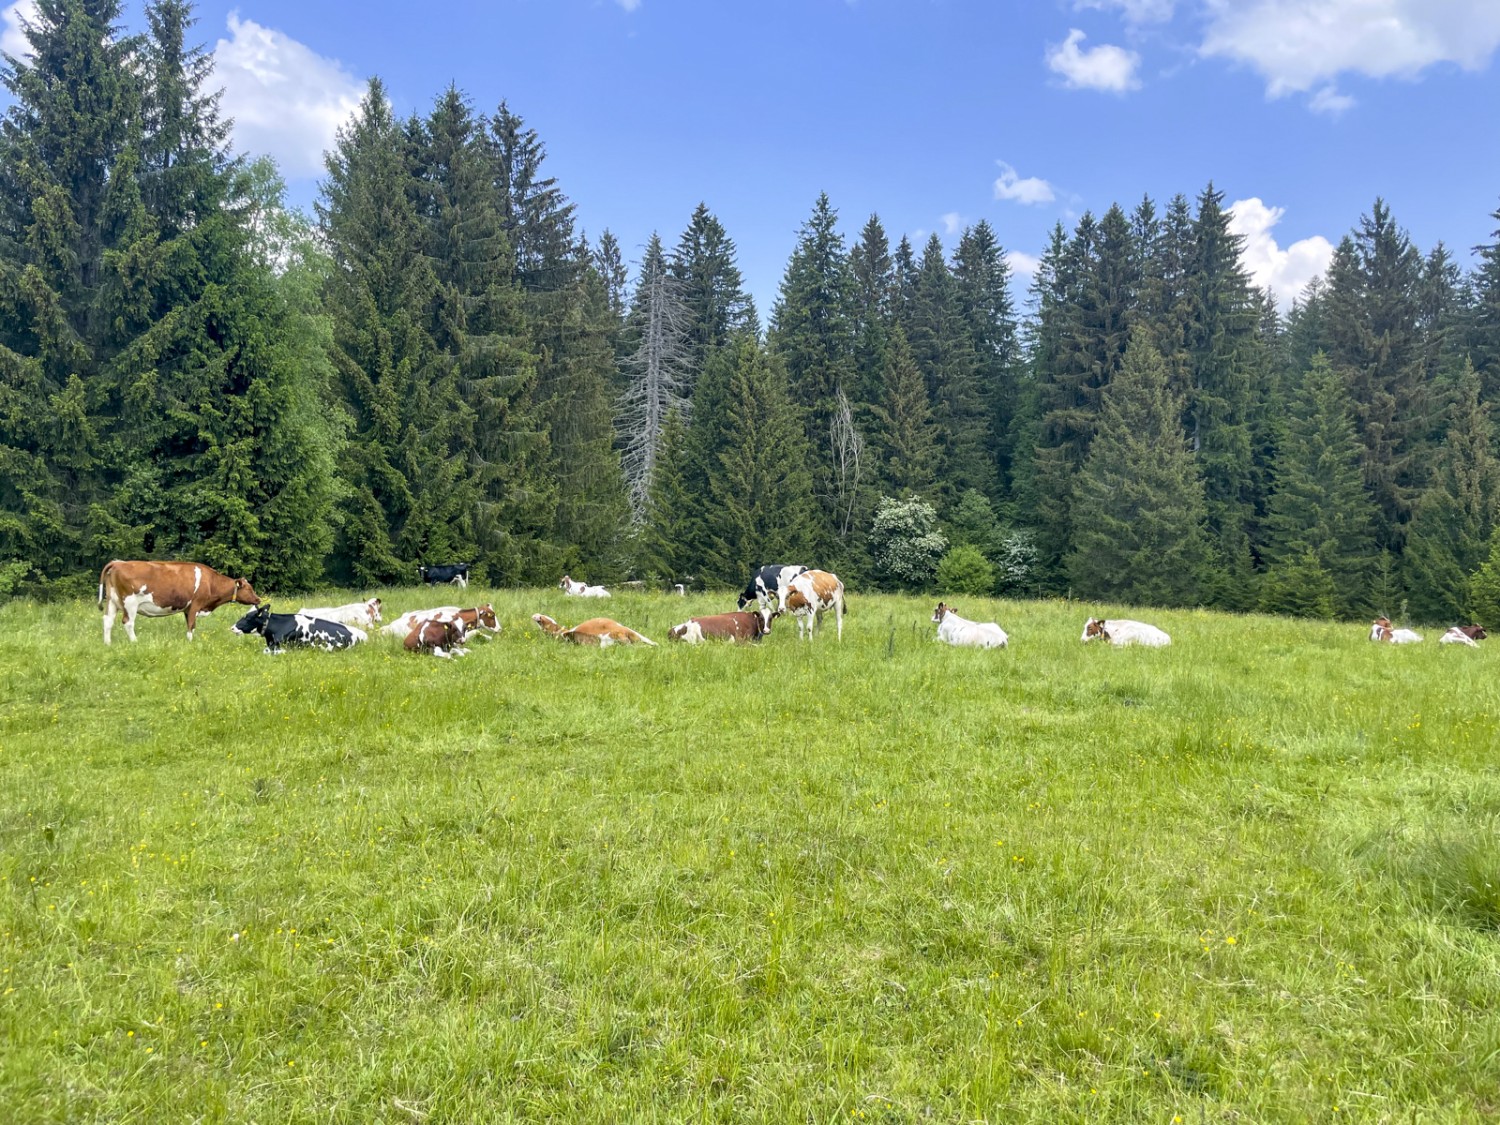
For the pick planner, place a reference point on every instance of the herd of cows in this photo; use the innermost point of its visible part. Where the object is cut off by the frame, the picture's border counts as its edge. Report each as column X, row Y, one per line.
column 165, row 589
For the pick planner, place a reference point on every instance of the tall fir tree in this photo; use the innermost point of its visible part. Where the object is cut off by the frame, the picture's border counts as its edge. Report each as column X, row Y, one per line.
column 870, row 267
column 812, row 335
column 1374, row 342
column 1140, row 513
column 982, row 277
column 1485, row 333
column 706, row 270
column 479, row 330
column 908, row 445
column 1222, row 335
column 406, row 501
column 149, row 402
column 1319, row 504
column 1456, row 514
column 761, row 488
column 574, row 335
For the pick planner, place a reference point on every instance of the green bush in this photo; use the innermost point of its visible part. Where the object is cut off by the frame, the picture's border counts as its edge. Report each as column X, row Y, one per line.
column 965, row 570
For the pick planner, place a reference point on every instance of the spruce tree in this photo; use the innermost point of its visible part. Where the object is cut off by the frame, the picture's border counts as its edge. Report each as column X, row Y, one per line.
column 943, row 346
column 761, row 488
column 1139, row 513
column 1319, row 503
column 1374, row 342
column 479, row 330
column 874, row 299
column 812, row 335
column 1454, row 517
column 982, row 277
column 908, row 445
column 1486, row 329
column 706, row 271
column 401, row 398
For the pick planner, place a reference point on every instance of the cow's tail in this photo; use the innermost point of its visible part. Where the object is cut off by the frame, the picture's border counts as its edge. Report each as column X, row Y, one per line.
column 103, row 578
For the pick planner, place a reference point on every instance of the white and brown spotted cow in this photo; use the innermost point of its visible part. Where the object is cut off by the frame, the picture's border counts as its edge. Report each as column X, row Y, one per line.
column 810, row 595
column 737, row 627
column 162, row 589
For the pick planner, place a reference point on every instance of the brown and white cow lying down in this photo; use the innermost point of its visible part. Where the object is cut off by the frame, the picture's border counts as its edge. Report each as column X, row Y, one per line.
column 599, row 631
column 365, row 615
column 810, row 595
column 1469, row 635
column 162, row 589
column 479, row 620
column 1382, row 630
column 738, row 627
column 443, row 638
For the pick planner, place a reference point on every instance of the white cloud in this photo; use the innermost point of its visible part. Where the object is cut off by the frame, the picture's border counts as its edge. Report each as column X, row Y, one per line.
column 13, row 40
column 1135, row 11
column 1284, row 272
column 286, row 99
column 952, row 221
column 629, row 5
column 1030, row 190
column 1105, row 67
column 1303, row 45
column 1328, row 100
column 1023, row 264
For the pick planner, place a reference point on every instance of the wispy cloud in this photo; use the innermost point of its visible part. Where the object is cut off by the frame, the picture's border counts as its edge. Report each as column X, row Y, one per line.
column 1301, row 46
column 12, row 39
column 1022, row 264
column 1105, row 67
column 1030, row 190
column 629, row 5
column 1285, row 272
column 1134, row 11
column 287, row 100
column 952, row 222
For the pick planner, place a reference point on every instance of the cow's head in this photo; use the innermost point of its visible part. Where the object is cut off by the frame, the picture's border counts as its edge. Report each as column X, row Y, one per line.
column 566, row 583
column 762, row 623
column 546, row 624
column 244, row 593
column 372, row 607
column 942, row 611
column 1380, row 629
column 485, row 616
column 1094, row 627
column 254, row 621
column 1475, row 632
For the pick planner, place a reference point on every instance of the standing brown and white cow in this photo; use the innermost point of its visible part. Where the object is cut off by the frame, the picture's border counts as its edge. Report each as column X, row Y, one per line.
column 161, row 589
column 810, row 595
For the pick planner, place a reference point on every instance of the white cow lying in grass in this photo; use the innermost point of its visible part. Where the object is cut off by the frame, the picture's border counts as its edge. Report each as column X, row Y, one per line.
column 1381, row 630
column 364, row 614
column 580, row 590
column 956, row 630
column 1125, row 633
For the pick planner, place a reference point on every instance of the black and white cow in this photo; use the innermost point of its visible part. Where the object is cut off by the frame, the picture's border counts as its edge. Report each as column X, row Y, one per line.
column 766, row 584
column 294, row 629
column 456, row 573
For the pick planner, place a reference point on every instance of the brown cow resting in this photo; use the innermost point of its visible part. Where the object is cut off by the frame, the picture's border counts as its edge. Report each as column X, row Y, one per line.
column 441, row 638
column 162, row 589
column 599, row 631
column 738, row 627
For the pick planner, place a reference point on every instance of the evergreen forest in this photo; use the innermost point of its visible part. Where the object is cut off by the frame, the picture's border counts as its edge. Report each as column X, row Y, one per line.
column 439, row 365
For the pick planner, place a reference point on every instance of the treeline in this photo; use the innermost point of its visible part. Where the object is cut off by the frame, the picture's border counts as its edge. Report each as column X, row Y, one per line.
column 440, row 366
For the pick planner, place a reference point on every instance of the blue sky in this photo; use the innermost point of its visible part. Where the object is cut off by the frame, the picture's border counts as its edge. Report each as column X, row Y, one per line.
column 931, row 113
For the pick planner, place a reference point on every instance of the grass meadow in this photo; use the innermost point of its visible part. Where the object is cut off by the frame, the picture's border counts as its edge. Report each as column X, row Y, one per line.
column 1254, row 877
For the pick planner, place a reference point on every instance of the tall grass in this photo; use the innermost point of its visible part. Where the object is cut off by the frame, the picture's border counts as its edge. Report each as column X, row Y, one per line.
column 1250, row 877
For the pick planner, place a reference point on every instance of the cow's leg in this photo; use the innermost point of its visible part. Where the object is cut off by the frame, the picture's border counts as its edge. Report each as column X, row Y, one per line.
column 838, row 613
column 111, row 607
column 436, row 651
column 192, row 620
column 130, row 608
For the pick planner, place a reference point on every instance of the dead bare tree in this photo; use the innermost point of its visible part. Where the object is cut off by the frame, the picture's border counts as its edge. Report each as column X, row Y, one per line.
column 659, row 370
column 848, row 454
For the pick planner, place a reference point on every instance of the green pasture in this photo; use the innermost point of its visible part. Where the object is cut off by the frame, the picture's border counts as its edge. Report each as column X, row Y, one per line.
column 1254, row 877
